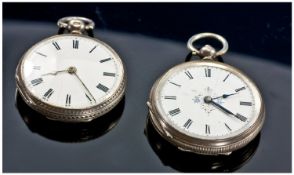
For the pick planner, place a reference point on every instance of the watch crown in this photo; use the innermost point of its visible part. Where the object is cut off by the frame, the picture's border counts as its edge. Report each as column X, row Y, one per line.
column 76, row 25
column 207, row 51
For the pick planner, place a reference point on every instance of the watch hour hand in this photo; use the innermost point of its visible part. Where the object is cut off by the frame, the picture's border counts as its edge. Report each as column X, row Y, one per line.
column 227, row 95
column 54, row 73
column 224, row 96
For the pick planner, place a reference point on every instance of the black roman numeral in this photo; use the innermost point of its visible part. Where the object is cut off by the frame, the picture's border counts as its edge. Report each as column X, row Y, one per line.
column 174, row 84
column 109, row 74
column 241, row 117
column 240, row 89
column 189, row 74
column 174, row 112
column 207, row 72
column 245, row 103
column 55, row 44
column 68, row 100
column 188, row 123
column 227, row 126
column 43, row 55
column 102, row 87
column 37, row 81
column 92, row 49
column 37, row 67
column 104, row 60
column 48, row 94
column 170, row 97
column 75, row 44
column 226, row 77
column 207, row 129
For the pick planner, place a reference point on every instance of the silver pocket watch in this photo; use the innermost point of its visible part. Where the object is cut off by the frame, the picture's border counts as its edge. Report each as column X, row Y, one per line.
column 72, row 76
column 206, row 106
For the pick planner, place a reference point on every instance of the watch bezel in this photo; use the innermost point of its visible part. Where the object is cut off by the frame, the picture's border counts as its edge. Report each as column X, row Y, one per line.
column 199, row 145
column 66, row 114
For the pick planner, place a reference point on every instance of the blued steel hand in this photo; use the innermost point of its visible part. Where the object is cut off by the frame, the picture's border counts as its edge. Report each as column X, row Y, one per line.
column 222, row 108
column 224, row 96
column 208, row 99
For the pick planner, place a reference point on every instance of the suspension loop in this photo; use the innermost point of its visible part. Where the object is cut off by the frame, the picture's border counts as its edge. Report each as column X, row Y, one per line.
column 207, row 51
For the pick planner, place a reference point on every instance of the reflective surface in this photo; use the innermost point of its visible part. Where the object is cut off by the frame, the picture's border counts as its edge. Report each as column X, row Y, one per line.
column 266, row 35
column 125, row 148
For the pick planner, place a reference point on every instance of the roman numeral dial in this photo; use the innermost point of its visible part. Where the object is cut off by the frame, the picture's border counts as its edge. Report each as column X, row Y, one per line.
column 72, row 72
column 206, row 101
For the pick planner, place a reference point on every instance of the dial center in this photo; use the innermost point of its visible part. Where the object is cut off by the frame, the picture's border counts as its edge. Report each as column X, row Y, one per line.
column 72, row 70
column 207, row 99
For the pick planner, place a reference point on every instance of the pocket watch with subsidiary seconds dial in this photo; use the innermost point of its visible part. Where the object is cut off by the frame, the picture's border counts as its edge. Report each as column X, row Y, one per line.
column 71, row 77
column 206, row 106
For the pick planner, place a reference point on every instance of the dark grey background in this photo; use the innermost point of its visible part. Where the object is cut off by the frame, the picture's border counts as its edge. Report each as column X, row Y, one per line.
column 41, row 146
column 259, row 29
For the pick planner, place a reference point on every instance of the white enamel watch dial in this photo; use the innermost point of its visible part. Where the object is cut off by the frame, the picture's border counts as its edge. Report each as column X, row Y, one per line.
column 71, row 77
column 95, row 72
column 206, row 107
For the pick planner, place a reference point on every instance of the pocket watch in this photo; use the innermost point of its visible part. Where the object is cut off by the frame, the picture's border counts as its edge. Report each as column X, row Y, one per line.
column 206, row 106
column 71, row 77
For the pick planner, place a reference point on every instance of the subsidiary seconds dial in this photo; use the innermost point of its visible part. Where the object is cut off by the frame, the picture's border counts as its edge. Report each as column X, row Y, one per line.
column 71, row 71
column 207, row 102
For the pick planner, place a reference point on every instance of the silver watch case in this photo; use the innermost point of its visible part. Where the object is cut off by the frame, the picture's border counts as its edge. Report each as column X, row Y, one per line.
column 71, row 115
column 197, row 145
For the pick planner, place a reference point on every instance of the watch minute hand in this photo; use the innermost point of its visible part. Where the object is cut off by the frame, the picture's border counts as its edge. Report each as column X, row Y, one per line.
column 84, row 86
column 222, row 108
column 209, row 100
